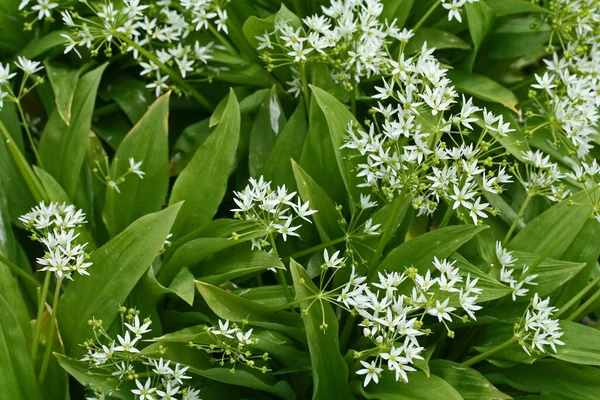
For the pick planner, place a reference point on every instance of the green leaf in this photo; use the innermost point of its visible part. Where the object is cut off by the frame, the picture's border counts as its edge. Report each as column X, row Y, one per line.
column 62, row 147
column 118, row 266
column 514, row 37
column 435, row 38
column 491, row 288
column 147, row 142
column 481, row 19
column 278, row 168
column 183, row 286
column 255, row 26
column 64, row 82
column 419, row 387
column 132, row 96
column 483, row 88
column 329, row 370
column 201, row 365
column 326, row 219
column 17, row 376
column 555, row 377
column 236, row 309
column 229, row 265
column 551, row 226
column 420, row 252
column 79, row 371
column 398, row 10
column 470, row 384
column 37, row 47
column 264, row 132
column 187, row 143
column 582, row 344
column 338, row 117
column 202, row 184
column 509, row 7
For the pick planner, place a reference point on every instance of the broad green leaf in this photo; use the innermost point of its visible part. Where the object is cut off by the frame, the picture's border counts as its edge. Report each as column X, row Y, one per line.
column 318, row 158
column 483, row 88
column 419, row 387
column 329, row 370
column 326, row 219
column 187, row 143
column 248, row 104
column 278, row 168
column 508, row 7
column 555, row 377
column 560, row 222
column 271, row 295
column 201, row 365
column 255, row 26
column 147, row 142
column 480, row 18
column 202, row 184
column 18, row 196
column 398, row 10
column 79, row 370
column 435, row 38
column 470, row 384
column 10, row 291
column 236, row 309
column 514, row 37
column 338, row 117
column 264, row 132
column 183, row 286
column 420, row 252
column 229, row 265
column 62, row 147
column 132, row 96
column 64, row 82
column 118, row 266
column 17, row 376
column 37, row 47
column 582, row 344
column 491, row 288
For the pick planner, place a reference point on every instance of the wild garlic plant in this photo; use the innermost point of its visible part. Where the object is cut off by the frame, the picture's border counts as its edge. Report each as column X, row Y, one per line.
column 120, row 360
column 165, row 38
column 393, row 310
column 517, row 283
column 565, row 97
column 348, row 37
column 276, row 212
column 229, row 345
column 415, row 145
column 537, row 330
column 106, row 174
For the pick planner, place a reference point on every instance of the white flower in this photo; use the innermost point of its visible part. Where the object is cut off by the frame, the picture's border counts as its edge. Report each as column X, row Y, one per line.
column 44, row 8
column 138, row 329
column 28, row 66
column 126, row 344
column 5, row 74
column 441, row 310
column 371, row 372
column 134, row 167
column 334, row 261
column 144, row 391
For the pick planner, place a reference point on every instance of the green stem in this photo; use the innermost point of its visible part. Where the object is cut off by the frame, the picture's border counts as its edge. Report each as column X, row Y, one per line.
column 305, row 87
column 353, row 100
column 549, row 251
column 577, row 297
column 387, row 233
column 222, row 39
column 517, row 219
column 427, row 14
column 52, row 329
column 489, row 353
column 318, row 247
column 293, row 303
column 38, row 319
column 178, row 80
column 29, row 136
column 18, row 271
column 447, row 216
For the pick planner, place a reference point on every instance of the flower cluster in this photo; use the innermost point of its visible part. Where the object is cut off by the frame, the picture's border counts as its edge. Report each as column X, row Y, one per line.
column 228, row 344
column 121, row 361
column 414, row 145
column 349, row 38
column 566, row 98
column 393, row 313
column 539, row 329
column 164, row 34
column 273, row 210
column 54, row 225
column 105, row 174
column 587, row 174
column 540, row 177
column 29, row 68
column 507, row 262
